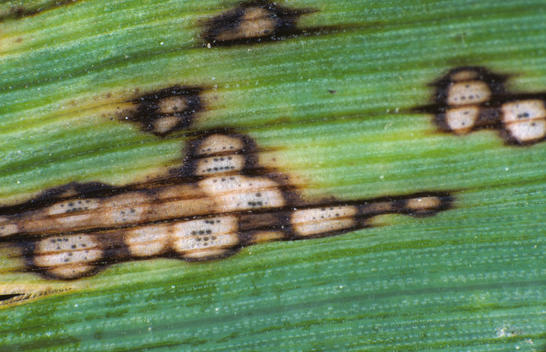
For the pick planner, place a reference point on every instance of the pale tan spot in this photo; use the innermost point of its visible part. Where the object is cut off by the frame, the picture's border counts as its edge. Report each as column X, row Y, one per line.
column 73, row 205
column 219, row 164
column 125, row 215
column 461, row 120
column 219, row 143
column 40, row 222
column 523, row 110
column 267, row 236
column 256, row 22
column 73, row 212
column 147, row 241
column 165, row 124
column 67, row 256
column 75, row 221
column 235, row 193
column 468, row 92
column 525, row 120
column 464, row 75
column 58, row 244
column 527, row 131
column 315, row 221
column 200, row 238
column 423, row 203
column 172, row 105
column 125, row 208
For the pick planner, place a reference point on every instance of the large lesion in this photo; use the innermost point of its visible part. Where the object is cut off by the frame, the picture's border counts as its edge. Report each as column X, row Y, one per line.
column 221, row 200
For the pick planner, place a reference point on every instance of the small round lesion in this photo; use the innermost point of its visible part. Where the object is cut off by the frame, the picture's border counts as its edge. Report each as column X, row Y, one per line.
column 525, row 120
column 461, row 120
column 463, row 97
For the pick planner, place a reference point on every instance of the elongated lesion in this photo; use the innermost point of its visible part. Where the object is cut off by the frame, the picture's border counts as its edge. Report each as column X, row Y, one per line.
column 471, row 98
column 221, row 200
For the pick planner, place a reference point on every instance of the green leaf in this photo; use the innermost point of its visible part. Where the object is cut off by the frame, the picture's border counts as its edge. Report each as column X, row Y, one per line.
column 333, row 107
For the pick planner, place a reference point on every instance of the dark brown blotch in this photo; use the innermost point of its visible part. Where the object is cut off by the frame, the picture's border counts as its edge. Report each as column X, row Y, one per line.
column 471, row 98
column 253, row 22
column 9, row 296
column 167, row 110
column 487, row 115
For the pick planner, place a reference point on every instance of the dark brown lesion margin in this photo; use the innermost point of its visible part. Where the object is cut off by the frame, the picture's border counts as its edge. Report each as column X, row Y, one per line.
column 145, row 110
column 274, row 23
column 277, row 219
column 490, row 111
column 489, row 118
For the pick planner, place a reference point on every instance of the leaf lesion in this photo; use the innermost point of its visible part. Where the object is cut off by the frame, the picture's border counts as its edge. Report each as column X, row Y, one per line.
column 471, row 98
column 222, row 199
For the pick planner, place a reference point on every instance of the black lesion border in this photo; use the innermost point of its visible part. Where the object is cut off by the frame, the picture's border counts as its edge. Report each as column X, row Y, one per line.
column 148, row 105
column 490, row 111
